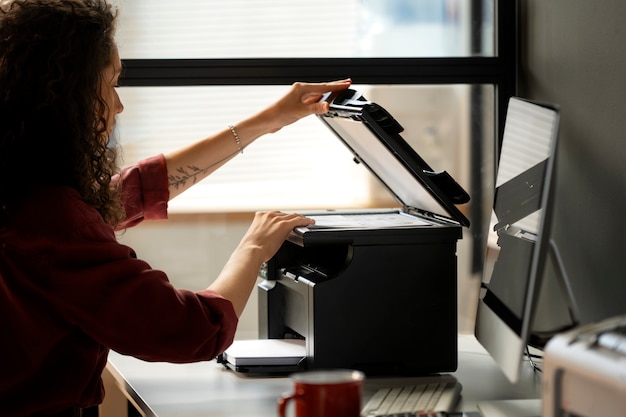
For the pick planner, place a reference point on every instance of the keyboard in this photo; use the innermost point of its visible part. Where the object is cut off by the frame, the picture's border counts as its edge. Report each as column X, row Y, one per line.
column 428, row 397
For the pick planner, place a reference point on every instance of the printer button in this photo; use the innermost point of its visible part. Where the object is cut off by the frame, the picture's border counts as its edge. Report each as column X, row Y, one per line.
column 290, row 275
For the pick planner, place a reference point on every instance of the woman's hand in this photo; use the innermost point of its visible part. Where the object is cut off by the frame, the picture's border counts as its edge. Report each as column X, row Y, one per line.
column 202, row 158
column 264, row 237
column 269, row 230
column 302, row 99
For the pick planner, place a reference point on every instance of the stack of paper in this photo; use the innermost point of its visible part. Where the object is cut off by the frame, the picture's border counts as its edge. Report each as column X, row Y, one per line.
column 265, row 352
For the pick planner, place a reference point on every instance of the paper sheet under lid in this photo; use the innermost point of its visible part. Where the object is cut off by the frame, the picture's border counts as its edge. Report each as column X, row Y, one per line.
column 372, row 135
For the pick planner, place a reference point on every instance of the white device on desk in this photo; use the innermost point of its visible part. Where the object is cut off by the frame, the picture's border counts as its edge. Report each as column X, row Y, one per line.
column 518, row 239
column 585, row 371
column 518, row 243
column 528, row 297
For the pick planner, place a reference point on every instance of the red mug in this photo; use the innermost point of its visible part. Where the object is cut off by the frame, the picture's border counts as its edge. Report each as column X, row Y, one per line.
column 324, row 393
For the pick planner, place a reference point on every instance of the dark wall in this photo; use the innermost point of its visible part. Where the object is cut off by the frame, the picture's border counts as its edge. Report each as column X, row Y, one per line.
column 573, row 54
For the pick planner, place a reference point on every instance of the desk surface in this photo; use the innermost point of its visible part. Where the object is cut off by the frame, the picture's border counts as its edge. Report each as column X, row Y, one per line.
column 208, row 389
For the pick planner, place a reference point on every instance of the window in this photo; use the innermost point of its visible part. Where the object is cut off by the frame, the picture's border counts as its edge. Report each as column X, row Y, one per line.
column 220, row 29
column 193, row 66
column 301, row 166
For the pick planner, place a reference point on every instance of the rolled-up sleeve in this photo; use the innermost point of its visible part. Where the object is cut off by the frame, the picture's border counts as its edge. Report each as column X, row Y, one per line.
column 144, row 191
column 124, row 304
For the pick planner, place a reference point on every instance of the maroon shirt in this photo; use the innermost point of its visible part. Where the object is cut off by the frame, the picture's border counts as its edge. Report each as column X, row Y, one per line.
column 69, row 292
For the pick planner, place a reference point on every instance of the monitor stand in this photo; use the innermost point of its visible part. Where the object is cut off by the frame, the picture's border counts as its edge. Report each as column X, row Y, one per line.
column 510, row 408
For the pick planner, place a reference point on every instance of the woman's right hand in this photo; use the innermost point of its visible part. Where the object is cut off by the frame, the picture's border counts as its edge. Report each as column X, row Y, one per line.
column 269, row 230
column 264, row 237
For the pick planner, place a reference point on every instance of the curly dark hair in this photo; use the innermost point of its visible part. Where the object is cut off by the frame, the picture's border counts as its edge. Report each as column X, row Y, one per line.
column 52, row 115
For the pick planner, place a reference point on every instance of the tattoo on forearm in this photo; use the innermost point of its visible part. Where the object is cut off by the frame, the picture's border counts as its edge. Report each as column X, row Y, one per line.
column 184, row 175
column 191, row 173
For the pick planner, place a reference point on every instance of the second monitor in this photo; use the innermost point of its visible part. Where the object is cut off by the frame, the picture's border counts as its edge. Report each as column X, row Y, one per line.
column 518, row 240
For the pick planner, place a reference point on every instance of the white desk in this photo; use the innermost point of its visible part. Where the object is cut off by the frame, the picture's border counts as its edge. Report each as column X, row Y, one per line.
column 208, row 389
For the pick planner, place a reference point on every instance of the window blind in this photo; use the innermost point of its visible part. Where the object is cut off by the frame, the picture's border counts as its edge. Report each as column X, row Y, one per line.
column 238, row 28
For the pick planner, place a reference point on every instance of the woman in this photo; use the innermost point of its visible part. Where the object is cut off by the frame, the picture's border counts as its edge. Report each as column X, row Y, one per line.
column 69, row 291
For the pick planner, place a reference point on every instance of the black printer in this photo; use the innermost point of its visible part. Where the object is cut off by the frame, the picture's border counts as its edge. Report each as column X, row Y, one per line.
column 373, row 290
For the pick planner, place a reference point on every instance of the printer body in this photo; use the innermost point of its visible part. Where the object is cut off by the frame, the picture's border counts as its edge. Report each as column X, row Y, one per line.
column 377, row 293
column 585, row 371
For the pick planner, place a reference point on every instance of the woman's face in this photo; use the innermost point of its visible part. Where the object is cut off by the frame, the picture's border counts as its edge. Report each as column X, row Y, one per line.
column 108, row 91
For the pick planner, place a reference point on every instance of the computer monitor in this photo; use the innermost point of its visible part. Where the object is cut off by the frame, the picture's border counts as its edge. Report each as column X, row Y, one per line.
column 518, row 239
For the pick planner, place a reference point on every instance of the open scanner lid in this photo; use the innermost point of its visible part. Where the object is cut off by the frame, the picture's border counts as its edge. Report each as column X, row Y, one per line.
column 373, row 136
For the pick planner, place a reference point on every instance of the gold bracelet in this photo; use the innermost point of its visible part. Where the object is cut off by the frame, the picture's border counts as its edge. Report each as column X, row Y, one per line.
column 236, row 135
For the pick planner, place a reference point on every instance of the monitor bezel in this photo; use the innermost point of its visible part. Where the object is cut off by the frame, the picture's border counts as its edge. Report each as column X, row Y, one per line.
column 506, row 345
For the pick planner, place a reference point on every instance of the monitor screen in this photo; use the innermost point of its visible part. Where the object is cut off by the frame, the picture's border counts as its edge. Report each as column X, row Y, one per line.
column 517, row 245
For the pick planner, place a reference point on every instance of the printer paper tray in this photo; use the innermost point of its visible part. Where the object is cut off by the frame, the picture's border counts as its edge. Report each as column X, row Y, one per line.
column 271, row 356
